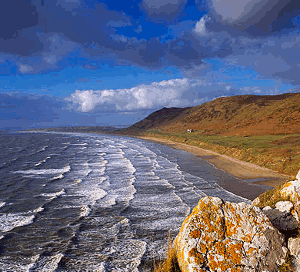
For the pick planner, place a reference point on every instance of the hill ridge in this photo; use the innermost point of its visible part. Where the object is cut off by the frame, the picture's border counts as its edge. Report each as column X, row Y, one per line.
column 234, row 115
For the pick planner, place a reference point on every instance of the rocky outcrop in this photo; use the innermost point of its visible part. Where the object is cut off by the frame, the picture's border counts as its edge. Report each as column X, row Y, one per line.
column 282, row 217
column 292, row 190
column 285, row 217
column 223, row 236
column 294, row 248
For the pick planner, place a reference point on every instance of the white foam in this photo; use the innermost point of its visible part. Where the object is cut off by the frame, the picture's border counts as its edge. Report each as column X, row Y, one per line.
column 61, row 176
column 80, row 144
column 10, row 221
column 54, row 195
column 84, row 211
column 25, row 265
column 94, row 193
column 78, row 180
column 101, row 267
column 47, row 263
column 43, row 149
column 40, row 209
column 45, row 171
column 2, row 204
column 127, row 255
column 43, row 161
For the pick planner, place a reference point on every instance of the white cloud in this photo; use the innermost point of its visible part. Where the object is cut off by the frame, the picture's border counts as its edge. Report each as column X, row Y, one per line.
column 254, row 89
column 168, row 93
column 200, row 27
column 24, row 69
column 139, row 29
column 158, row 94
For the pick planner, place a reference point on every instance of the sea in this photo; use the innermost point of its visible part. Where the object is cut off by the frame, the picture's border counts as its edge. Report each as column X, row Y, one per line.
column 95, row 202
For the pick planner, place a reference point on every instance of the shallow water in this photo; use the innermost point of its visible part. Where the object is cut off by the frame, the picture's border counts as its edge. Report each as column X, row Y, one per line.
column 82, row 202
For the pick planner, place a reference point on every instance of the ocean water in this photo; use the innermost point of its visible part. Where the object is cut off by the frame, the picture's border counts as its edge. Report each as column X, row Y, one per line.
column 84, row 202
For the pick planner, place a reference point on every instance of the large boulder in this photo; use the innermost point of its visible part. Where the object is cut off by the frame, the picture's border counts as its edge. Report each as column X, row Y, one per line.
column 282, row 216
column 292, row 190
column 223, row 236
column 294, row 247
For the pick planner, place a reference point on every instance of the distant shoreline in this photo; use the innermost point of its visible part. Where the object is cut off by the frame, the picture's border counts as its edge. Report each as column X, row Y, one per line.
column 237, row 168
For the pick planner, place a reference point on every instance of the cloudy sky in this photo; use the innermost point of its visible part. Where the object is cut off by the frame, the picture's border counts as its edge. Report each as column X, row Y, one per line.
column 112, row 62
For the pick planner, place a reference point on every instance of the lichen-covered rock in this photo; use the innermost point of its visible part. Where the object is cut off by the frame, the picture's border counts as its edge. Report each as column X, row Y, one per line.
column 284, row 206
column 282, row 217
column 292, row 190
column 223, row 236
column 256, row 201
column 294, row 247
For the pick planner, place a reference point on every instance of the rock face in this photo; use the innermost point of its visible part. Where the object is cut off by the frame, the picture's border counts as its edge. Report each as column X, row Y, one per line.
column 292, row 190
column 282, row 217
column 294, row 247
column 223, row 236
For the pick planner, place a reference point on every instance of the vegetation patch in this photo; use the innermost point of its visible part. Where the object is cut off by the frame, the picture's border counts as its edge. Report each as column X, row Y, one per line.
column 277, row 152
column 170, row 263
column 287, row 265
column 271, row 197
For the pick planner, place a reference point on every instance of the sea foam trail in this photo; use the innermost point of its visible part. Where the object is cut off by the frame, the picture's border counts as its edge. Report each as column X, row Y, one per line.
column 24, row 265
column 54, row 195
column 10, row 221
column 47, row 263
column 43, row 149
column 45, row 171
column 84, row 211
column 43, row 161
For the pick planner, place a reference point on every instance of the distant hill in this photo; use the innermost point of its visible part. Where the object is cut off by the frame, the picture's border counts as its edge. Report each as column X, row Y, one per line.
column 236, row 115
column 156, row 119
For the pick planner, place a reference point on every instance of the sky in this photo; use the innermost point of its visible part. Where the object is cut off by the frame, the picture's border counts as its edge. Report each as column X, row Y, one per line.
column 113, row 62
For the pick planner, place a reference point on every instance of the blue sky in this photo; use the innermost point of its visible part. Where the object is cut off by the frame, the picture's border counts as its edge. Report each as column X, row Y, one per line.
column 88, row 62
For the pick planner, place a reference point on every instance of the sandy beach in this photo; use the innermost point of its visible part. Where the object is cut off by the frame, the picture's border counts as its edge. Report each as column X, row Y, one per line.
column 251, row 173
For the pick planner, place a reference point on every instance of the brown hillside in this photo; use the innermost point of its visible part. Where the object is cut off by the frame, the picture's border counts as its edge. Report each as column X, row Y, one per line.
column 157, row 118
column 240, row 115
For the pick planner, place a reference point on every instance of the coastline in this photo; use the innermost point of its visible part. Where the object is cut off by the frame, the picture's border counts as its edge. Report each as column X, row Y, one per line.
column 242, row 170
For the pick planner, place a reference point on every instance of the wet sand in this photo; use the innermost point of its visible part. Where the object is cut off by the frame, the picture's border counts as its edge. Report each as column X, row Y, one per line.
column 248, row 172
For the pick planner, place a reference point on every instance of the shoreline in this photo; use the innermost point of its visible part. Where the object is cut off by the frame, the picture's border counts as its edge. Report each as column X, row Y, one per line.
column 248, row 172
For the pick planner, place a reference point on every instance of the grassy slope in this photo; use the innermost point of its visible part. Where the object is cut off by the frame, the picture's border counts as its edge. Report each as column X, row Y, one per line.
column 263, row 130
column 242, row 115
column 277, row 152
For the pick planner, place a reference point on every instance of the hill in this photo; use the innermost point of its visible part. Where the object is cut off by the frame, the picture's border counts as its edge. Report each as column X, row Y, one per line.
column 156, row 119
column 263, row 130
column 236, row 115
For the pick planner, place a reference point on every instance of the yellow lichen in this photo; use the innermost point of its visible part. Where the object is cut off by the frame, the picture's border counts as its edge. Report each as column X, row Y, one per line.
column 250, row 250
column 234, row 253
column 195, row 233
column 220, row 230
column 198, row 257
